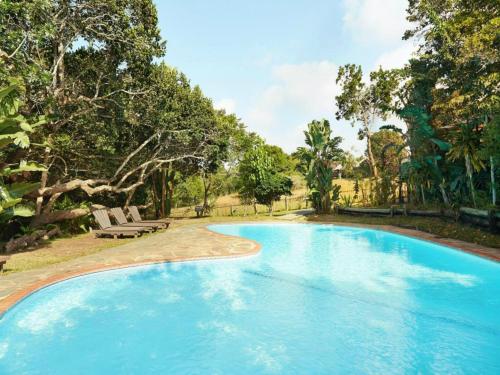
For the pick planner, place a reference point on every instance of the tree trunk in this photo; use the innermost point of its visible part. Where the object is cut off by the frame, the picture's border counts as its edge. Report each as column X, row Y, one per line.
column 170, row 185
column 371, row 159
column 443, row 193
column 423, row 194
column 43, row 182
column 325, row 202
column 130, row 195
column 55, row 216
column 493, row 185
column 154, row 192
column 163, row 179
column 471, row 182
column 400, row 185
column 30, row 239
column 206, row 189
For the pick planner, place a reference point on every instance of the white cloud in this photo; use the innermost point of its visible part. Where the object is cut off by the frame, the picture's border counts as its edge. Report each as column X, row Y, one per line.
column 298, row 94
column 228, row 104
column 310, row 86
column 376, row 21
column 395, row 58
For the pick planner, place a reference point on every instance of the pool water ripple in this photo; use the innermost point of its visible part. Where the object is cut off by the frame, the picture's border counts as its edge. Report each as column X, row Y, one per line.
column 317, row 300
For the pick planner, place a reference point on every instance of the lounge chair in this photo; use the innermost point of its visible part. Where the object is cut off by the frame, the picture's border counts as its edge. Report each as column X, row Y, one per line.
column 121, row 219
column 106, row 229
column 136, row 218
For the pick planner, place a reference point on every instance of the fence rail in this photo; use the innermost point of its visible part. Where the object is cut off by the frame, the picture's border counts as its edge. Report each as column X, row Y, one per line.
column 285, row 204
column 484, row 218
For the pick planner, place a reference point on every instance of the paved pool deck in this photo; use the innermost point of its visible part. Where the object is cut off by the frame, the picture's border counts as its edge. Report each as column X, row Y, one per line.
column 178, row 243
column 182, row 243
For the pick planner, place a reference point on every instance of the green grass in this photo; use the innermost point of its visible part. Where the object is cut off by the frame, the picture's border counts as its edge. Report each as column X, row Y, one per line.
column 436, row 226
column 59, row 250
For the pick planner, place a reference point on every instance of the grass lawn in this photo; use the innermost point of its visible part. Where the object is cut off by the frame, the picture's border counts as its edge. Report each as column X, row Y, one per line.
column 58, row 250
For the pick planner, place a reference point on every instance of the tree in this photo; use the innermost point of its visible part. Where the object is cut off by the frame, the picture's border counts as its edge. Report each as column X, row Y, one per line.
column 465, row 145
column 117, row 121
column 316, row 162
column 271, row 187
column 490, row 151
column 259, row 179
column 14, row 134
column 389, row 150
column 350, row 164
column 361, row 103
column 451, row 94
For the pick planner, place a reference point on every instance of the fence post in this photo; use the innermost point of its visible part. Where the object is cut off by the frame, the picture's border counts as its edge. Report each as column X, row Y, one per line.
column 286, row 203
column 231, row 208
column 492, row 220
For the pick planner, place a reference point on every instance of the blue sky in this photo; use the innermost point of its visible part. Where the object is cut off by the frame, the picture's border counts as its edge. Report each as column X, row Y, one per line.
column 274, row 63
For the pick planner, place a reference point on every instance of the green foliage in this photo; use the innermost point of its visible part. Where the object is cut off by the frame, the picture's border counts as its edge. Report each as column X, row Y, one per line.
column 189, row 192
column 271, row 187
column 316, row 162
column 448, row 99
column 14, row 133
column 260, row 180
column 346, row 200
column 362, row 103
column 389, row 150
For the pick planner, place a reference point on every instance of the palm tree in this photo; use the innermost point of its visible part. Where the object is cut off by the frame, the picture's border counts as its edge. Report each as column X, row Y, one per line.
column 316, row 161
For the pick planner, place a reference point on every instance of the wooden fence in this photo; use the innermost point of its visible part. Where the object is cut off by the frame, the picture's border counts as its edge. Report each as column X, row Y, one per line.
column 484, row 218
column 285, row 204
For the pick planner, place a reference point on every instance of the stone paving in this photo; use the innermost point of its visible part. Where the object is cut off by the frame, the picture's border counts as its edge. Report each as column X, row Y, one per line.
column 182, row 242
column 174, row 244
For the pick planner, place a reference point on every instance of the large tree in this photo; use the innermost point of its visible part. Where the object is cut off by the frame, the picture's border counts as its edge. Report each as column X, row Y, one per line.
column 364, row 103
column 450, row 97
column 116, row 119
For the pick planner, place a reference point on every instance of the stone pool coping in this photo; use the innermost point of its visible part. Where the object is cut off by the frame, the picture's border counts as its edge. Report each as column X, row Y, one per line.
column 12, row 299
column 488, row 253
column 253, row 248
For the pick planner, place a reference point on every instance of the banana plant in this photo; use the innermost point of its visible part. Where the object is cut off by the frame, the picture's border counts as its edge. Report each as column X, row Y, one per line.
column 424, row 166
column 14, row 132
column 466, row 145
column 316, row 163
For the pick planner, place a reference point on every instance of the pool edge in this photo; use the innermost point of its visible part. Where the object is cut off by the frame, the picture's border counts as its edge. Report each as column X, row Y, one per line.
column 469, row 248
column 13, row 299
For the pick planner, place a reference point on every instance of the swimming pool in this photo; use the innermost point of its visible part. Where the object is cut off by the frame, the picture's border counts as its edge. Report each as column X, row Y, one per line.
column 318, row 299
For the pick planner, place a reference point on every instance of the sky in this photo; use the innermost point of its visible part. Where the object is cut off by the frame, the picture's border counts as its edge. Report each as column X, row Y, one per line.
column 274, row 62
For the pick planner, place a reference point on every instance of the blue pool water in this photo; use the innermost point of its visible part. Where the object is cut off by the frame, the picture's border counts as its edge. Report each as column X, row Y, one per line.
column 317, row 300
